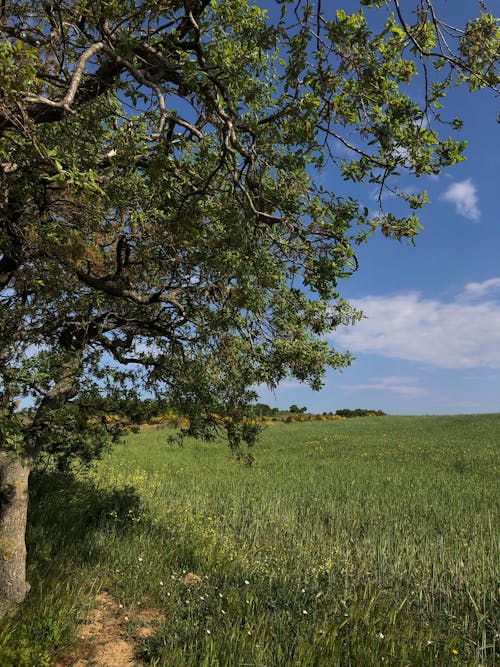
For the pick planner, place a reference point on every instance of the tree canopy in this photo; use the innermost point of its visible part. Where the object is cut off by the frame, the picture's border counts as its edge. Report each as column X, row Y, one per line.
column 164, row 227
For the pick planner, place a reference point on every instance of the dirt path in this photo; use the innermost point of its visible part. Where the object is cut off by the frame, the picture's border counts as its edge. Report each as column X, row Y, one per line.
column 109, row 635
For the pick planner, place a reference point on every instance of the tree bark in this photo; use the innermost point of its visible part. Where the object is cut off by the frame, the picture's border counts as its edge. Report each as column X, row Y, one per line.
column 14, row 474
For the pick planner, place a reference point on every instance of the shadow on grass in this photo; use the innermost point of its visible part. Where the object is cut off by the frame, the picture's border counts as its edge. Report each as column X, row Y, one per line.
column 64, row 514
column 64, row 510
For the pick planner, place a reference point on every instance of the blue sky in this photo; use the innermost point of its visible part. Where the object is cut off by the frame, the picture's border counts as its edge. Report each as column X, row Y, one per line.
column 430, row 340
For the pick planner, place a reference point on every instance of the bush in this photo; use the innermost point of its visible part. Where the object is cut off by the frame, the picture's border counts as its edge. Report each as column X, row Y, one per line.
column 359, row 412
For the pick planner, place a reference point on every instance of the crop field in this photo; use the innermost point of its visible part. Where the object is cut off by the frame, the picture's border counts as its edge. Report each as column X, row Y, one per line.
column 363, row 542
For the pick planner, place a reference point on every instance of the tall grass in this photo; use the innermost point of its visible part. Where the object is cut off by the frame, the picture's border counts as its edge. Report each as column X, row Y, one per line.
column 361, row 542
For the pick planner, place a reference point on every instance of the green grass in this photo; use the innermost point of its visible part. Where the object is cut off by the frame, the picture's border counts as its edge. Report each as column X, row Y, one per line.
column 359, row 542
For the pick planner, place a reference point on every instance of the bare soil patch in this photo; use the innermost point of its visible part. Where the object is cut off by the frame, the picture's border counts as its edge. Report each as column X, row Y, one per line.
column 109, row 635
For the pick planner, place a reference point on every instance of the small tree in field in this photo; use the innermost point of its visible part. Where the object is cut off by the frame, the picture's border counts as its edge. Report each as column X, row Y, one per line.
column 162, row 226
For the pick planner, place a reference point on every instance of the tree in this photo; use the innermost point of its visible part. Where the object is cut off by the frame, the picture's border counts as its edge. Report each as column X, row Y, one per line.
column 264, row 410
column 162, row 225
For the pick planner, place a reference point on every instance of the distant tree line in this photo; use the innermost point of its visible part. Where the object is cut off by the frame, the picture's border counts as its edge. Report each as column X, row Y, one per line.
column 143, row 411
column 359, row 412
column 137, row 411
column 264, row 410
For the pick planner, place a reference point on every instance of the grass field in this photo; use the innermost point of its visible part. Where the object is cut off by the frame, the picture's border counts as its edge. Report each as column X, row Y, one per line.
column 359, row 542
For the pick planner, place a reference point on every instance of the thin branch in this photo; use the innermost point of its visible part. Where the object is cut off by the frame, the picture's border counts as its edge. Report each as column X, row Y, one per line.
column 78, row 73
column 454, row 61
column 69, row 98
column 351, row 147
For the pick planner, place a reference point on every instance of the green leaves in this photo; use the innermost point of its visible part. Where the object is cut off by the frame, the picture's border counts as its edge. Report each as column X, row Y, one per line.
column 480, row 47
column 18, row 66
column 11, row 436
column 161, row 171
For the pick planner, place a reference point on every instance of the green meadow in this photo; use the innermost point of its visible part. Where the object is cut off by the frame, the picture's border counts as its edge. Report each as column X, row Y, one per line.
column 358, row 542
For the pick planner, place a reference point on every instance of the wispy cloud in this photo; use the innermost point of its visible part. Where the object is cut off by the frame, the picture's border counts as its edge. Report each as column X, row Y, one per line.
column 463, row 194
column 286, row 384
column 455, row 334
column 479, row 290
column 406, row 387
column 290, row 384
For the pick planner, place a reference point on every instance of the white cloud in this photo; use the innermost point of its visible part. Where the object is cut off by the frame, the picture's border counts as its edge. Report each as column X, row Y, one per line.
column 463, row 195
column 479, row 290
column 290, row 384
column 406, row 387
column 286, row 384
column 453, row 335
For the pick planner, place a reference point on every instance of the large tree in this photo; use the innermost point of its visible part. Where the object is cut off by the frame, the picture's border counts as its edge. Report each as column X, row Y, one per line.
column 162, row 223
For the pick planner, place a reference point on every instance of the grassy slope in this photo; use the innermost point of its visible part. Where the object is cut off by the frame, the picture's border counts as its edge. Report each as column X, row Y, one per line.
column 363, row 542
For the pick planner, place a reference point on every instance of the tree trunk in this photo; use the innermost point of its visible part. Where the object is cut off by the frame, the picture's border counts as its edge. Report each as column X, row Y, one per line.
column 14, row 475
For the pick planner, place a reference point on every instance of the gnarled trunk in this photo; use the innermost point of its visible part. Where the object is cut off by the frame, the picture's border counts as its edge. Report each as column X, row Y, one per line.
column 14, row 475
